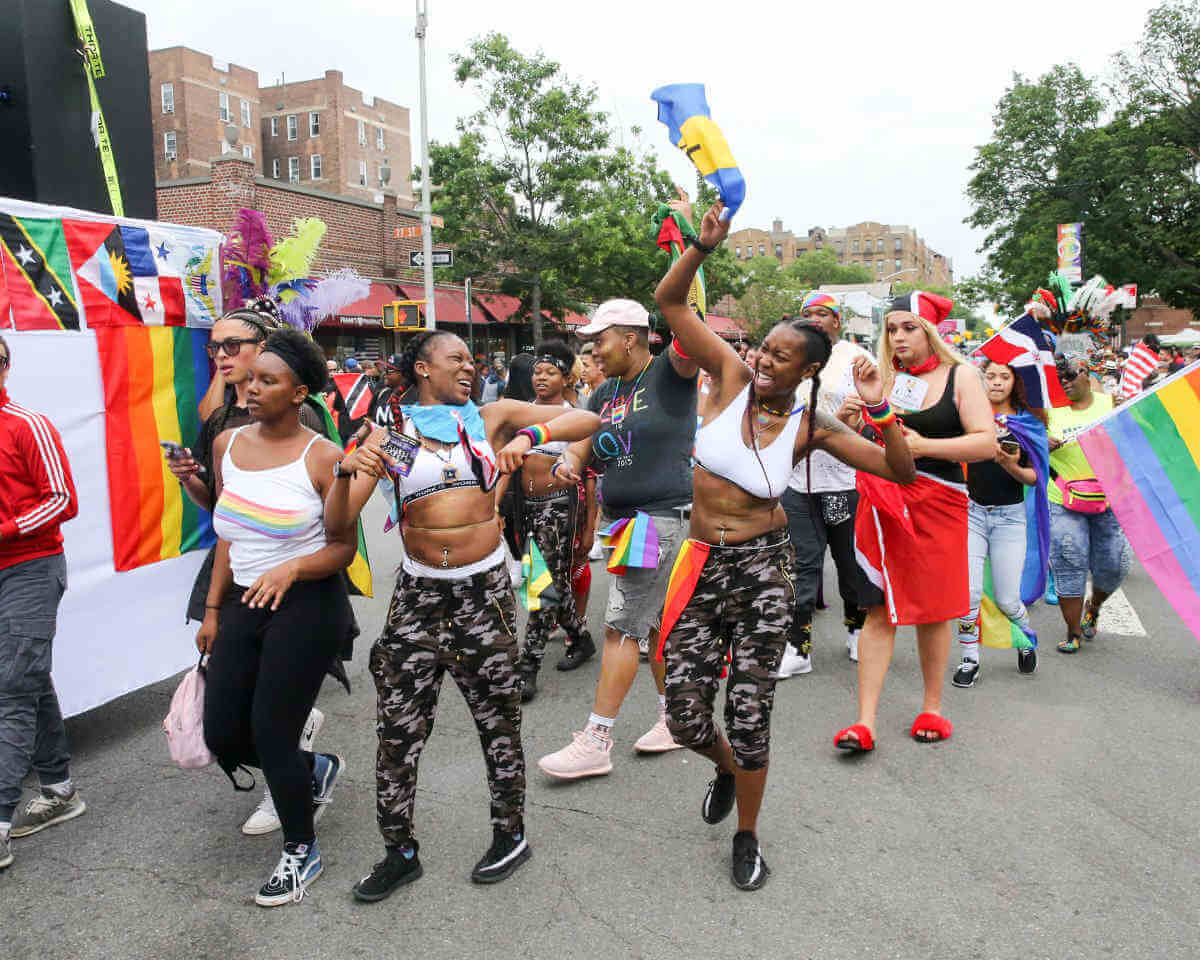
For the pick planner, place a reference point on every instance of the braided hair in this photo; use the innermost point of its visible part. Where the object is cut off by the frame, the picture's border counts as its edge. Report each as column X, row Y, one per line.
column 418, row 348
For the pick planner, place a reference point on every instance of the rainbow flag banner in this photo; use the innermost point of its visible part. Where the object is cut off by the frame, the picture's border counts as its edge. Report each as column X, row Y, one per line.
column 995, row 629
column 153, row 380
column 633, row 541
column 685, row 574
column 1146, row 454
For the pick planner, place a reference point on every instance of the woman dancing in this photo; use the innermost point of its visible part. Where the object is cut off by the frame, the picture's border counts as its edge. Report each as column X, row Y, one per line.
column 732, row 583
column 912, row 541
column 453, row 608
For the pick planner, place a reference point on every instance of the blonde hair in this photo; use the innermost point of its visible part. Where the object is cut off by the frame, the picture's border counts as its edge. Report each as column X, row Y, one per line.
column 576, row 373
column 936, row 345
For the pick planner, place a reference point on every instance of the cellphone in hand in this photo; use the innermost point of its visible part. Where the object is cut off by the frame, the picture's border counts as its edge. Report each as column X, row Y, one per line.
column 1011, row 447
column 174, row 451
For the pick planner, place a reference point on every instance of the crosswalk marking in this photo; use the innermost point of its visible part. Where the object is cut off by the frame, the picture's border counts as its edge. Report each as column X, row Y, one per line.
column 1118, row 616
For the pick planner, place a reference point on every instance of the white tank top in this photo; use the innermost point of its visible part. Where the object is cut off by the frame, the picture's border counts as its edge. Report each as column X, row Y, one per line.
column 721, row 451
column 267, row 516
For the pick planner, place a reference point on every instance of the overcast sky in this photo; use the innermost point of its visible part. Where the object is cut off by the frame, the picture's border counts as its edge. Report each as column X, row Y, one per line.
column 836, row 112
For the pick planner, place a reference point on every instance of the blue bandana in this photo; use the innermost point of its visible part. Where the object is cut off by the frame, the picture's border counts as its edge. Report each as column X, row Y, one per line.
column 438, row 422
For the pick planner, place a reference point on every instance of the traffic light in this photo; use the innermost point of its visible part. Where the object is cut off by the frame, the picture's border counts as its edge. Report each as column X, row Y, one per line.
column 404, row 316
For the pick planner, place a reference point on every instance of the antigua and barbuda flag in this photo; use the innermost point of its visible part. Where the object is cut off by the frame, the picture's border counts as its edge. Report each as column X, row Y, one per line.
column 683, row 107
column 36, row 290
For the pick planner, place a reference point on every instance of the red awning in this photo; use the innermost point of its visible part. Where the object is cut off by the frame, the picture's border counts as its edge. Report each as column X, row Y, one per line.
column 372, row 305
column 725, row 327
column 500, row 305
column 450, row 304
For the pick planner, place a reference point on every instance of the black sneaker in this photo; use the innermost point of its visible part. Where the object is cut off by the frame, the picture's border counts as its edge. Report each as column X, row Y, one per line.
column 578, row 653
column 966, row 674
column 1027, row 660
column 400, row 866
column 299, row 866
column 507, row 852
column 528, row 682
column 750, row 870
column 719, row 799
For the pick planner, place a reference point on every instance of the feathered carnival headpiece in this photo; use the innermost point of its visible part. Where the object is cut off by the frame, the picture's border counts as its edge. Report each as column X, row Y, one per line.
column 816, row 298
column 271, row 280
column 1086, row 309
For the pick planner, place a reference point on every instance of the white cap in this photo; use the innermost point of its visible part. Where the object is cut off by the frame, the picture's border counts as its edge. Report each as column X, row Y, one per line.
column 616, row 313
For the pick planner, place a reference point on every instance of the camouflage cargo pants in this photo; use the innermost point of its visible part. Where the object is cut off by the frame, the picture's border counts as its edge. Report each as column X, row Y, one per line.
column 467, row 628
column 744, row 601
column 551, row 525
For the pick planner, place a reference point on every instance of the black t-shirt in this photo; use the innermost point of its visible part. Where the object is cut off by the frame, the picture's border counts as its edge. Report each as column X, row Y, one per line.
column 645, row 439
column 990, row 485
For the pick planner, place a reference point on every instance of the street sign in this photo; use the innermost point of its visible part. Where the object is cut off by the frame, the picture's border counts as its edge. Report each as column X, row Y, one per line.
column 409, row 233
column 441, row 258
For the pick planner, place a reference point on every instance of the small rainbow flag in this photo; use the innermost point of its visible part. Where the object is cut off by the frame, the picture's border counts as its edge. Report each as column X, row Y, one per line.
column 154, row 377
column 634, row 543
column 685, row 574
column 1146, row 455
column 995, row 629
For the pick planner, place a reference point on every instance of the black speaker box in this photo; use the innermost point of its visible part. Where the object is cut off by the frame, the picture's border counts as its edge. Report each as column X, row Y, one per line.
column 47, row 152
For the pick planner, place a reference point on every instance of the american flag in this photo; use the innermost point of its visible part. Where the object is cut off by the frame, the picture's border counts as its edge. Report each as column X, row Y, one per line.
column 1141, row 363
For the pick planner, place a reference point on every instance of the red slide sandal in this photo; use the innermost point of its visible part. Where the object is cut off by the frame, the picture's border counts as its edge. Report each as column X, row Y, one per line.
column 864, row 743
column 931, row 723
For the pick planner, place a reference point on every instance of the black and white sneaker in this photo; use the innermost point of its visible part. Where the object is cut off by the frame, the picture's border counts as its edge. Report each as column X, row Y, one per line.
column 400, row 866
column 579, row 652
column 327, row 767
column 507, row 852
column 1027, row 660
column 750, row 870
column 966, row 674
column 719, row 799
column 299, row 866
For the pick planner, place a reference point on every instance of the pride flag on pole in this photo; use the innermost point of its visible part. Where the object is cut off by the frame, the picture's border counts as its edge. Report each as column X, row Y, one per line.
column 683, row 107
column 1146, row 454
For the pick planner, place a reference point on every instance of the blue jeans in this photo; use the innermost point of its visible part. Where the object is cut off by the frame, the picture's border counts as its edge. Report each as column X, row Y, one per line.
column 997, row 534
column 31, row 724
column 1083, row 543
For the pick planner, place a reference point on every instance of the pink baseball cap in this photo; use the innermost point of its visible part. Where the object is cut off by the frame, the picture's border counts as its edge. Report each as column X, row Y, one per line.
column 616, row 313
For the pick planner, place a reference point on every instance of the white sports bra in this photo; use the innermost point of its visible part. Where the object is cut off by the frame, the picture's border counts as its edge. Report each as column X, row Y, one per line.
column 432, row 473
column 721, row 451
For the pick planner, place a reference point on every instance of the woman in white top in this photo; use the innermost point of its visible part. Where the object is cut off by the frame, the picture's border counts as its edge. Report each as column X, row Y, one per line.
column 277, row 608
column 731, row 586
column 453, row 608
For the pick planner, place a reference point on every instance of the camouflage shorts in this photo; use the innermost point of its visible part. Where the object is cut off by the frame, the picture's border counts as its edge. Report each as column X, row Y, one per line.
column 551, row 524
column 743, row 602
column 468, row 628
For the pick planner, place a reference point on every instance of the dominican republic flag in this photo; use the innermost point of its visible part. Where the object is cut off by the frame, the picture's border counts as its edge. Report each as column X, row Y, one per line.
column 1141, row 363
column 356, row 392
column 1023, row 346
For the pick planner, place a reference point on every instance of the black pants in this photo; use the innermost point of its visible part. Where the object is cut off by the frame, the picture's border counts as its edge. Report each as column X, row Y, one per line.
column 259, row 723
column 811, row 533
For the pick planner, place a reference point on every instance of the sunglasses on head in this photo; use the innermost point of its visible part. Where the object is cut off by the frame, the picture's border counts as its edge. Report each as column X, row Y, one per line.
column 232, row 346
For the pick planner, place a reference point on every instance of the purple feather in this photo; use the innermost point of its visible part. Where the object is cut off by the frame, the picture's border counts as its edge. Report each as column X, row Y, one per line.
column 245, row 259
column 321, row 301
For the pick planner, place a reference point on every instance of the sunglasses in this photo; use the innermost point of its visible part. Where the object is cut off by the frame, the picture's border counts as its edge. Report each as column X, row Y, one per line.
column 1066, row 376
column 4, row 363
column 232, row 347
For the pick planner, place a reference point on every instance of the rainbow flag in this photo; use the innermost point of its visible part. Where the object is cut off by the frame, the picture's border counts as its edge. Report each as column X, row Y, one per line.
column 153, row 380
column 683, row 107
column 685, row 574
column 995, row 629
column 633, row 541
column 1146, row 455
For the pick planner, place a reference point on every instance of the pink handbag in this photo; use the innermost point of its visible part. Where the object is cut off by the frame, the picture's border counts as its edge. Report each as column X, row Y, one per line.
column 184, row 723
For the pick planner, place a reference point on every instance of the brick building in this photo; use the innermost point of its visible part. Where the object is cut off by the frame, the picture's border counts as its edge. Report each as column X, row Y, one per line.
column 194, row 99
column 326, row 135
column 1155, row 316
column 884, row 249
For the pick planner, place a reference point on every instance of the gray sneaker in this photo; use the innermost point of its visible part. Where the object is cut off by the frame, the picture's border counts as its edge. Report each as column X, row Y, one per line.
column 6, row 857
column 47, row 809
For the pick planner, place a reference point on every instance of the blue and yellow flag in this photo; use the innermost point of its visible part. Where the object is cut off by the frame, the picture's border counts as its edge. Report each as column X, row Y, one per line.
column 684, row 109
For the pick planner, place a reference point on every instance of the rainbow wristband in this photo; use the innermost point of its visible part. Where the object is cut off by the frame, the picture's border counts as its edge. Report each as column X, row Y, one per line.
column 539, row 433
column 881, row 415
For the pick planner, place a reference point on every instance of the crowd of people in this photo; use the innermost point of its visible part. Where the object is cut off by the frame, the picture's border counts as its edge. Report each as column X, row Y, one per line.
column 717, row 475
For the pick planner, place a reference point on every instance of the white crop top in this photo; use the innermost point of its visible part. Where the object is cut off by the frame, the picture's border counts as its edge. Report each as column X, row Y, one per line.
column 267, row 516
column 721, row 451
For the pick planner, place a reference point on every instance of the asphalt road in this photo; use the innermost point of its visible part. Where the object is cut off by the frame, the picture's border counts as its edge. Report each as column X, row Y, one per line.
column 1060, row 821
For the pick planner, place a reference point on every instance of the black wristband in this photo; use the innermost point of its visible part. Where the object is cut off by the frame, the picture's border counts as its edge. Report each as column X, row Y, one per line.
column 695, row 242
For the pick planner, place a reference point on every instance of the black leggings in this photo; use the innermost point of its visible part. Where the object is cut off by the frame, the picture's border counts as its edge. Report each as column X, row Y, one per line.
column 259, row 724
column 811, row 533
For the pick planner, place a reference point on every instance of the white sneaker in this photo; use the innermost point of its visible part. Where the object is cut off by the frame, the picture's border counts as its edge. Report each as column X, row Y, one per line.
column 597, row 551
column 658, row 738
column 265, row 819
column 584, row 756
column 793, row 663
column 852, row 645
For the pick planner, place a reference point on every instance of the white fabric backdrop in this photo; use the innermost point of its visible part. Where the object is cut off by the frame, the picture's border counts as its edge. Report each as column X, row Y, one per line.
column 116, row 631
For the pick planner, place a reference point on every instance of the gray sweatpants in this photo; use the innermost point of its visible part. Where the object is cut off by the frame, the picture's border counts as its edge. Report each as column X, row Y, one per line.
column 31, row 724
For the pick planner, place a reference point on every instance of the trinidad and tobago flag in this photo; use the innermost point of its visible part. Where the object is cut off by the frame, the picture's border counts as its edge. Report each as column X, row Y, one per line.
column 1023, row 346
column 356, row 393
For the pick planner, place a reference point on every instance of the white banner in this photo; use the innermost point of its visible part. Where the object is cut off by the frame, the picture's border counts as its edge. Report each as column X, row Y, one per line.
column 116, row 631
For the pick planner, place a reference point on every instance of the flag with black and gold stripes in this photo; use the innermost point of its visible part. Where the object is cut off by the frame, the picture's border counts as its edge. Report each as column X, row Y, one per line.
column 35, row 273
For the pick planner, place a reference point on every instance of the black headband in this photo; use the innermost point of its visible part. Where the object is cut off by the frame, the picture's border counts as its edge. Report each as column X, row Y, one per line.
column 287, row 352
column 555, row 361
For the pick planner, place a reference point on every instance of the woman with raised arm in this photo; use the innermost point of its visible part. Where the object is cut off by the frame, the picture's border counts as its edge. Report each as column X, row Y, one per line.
column 911, row 541
column 453, row 608
column 732, row 582
column 277, row 609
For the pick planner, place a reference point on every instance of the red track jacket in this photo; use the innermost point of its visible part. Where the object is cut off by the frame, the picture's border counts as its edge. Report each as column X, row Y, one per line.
column 36, row 490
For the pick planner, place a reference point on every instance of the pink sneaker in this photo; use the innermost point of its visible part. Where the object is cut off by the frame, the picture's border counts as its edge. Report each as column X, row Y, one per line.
column 584, row 756
column 657, row 739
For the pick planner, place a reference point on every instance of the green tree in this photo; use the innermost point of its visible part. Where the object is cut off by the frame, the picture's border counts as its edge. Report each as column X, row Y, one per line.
column 1121, row 158
column 770, row 291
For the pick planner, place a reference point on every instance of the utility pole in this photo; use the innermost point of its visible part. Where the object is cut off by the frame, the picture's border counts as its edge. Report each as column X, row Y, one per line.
column 426, row 209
